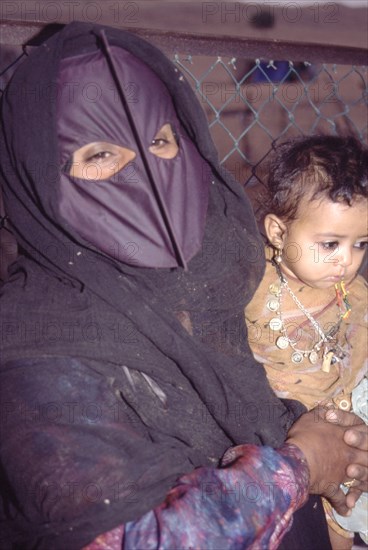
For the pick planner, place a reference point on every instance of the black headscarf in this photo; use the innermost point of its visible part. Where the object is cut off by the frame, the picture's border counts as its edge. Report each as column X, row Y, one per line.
column 180, row 328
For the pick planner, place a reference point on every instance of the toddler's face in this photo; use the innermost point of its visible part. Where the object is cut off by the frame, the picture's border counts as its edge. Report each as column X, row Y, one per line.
column 326, row 243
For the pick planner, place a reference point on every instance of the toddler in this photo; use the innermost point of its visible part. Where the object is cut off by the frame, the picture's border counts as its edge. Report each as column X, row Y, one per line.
column 307, row 320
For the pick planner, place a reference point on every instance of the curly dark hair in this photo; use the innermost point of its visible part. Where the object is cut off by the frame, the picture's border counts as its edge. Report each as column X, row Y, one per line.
column 313, row 167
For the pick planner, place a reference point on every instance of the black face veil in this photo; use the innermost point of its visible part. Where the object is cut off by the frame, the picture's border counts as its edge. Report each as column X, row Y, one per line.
column 154, row 209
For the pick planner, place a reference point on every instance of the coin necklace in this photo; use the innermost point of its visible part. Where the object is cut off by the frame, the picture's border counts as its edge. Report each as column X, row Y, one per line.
column 331, row 353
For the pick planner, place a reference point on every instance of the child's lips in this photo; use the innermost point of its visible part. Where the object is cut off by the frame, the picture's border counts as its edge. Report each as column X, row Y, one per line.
column 334, row 278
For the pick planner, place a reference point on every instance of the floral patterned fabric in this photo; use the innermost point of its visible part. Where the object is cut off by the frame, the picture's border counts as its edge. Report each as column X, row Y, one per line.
column 247, row 503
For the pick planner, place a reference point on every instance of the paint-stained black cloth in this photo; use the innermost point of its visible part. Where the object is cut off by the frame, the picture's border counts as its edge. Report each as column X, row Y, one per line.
column 116, row 379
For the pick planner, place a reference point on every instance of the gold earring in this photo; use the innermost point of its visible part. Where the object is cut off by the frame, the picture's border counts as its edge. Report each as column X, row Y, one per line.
column 277, row 257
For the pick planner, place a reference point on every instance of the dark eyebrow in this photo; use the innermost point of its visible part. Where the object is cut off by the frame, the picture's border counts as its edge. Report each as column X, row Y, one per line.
column 332, row 235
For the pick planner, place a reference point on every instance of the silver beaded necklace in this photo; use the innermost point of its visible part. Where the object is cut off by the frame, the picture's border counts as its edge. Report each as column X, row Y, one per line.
column 332, row 352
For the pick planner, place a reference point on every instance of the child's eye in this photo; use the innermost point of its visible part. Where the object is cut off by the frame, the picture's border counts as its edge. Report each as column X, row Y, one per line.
column 361, row 245
column 330, row 245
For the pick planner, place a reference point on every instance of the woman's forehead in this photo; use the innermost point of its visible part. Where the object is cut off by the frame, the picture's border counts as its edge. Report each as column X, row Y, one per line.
column 95, row 102
column 89, row 76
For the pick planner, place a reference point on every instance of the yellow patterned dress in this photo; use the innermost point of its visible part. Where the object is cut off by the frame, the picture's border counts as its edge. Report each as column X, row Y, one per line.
column 309, row 377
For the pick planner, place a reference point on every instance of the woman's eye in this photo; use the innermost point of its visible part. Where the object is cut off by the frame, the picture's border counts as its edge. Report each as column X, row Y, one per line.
column 330, row 245
column 164, row 145
column 159, row 142
column 101, row 155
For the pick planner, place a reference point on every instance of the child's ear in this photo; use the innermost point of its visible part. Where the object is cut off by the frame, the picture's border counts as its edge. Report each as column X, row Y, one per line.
column 275, row 230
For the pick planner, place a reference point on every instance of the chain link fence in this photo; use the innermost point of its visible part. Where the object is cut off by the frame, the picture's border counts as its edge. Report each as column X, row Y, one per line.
column 252, row 105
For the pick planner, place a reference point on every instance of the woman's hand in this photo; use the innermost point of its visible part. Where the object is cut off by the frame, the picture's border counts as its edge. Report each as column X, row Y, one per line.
column 356, row 436
column 328, row 451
